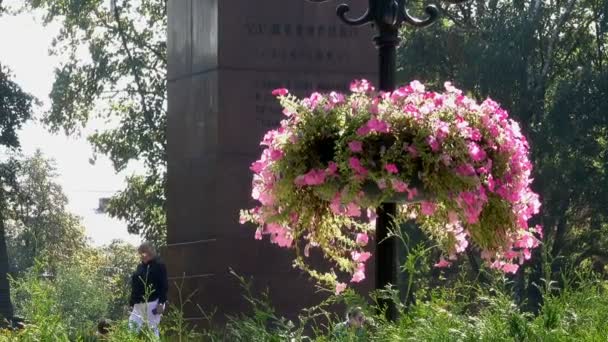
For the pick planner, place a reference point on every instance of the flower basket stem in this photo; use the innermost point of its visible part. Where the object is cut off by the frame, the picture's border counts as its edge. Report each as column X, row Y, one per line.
column 386, row 245
column 386, row 254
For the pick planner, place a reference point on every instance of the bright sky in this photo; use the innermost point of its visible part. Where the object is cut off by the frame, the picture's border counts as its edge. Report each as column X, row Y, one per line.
column 24, row 44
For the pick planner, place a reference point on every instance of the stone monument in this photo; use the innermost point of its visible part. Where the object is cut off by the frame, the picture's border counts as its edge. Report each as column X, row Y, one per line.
column 224, row 59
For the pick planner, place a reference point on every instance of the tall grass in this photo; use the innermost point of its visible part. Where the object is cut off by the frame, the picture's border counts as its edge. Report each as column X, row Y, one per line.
column 578, row 311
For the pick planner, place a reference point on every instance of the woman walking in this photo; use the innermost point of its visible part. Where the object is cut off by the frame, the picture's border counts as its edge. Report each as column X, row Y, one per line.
column 149, row 287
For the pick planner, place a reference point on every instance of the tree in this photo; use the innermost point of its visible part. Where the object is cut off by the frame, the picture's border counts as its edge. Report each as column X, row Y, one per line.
column 15, row 109
column 74, row 297
column 545, row 61
column 38, row 224
column 123, row 81
column 6, row 180
column 120, row 261
column 93, row 283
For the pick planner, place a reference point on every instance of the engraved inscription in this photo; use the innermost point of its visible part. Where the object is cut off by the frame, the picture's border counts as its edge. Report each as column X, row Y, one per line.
column 305, row 31
column 299, row 55
column 268, row 111
column 296, row 39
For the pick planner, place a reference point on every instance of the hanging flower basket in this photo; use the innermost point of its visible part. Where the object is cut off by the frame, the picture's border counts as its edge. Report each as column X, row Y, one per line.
column 459, row 168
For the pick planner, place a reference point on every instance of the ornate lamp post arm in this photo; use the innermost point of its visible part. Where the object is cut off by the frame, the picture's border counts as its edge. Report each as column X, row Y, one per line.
column 388, row 16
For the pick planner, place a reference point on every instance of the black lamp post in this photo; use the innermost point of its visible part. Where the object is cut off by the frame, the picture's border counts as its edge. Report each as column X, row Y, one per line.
column 387, row 16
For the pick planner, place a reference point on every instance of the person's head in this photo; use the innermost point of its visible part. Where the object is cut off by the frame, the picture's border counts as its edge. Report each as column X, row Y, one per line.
column 147, row 252
column 103, row 327
column 355, row 317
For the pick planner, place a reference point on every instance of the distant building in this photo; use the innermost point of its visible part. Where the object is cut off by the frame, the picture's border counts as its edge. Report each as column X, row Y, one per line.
column 103, row 205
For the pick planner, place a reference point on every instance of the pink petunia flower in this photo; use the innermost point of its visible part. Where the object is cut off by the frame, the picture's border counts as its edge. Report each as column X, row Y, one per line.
column 381, row 184
column 363, row 130
column 412, row 151
column 398, row 185
column 371, row 215
column 361, row 86
column 353, row 210
column 451, row 89
column 359, row 274
column 355, row 164
column 427, row 208
column 332, row 168
column 280, row 92
column 336, row 98
column 417, row 86
column 355, row 146
column 340, row 287
column 288, row 113
column 336, row 204
column 433, row 143
column 360, row 257
column 257, row 166
column 373, row 125
column 312, row 177
column 476, row 153
column 362, row 239
column 466, row 170
column 442, row 263
column 391, row 168
column 412, row 193
column 376, row 125
column 276, row 154
column 510, row 268
column 283, row 240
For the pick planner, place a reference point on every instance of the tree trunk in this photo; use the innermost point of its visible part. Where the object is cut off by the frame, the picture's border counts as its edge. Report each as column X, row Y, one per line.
column 6, row 306
column 534, row 294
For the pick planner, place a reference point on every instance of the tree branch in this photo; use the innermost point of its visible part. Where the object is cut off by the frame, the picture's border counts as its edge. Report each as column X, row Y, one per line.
column 550, row 46
column 134, row 70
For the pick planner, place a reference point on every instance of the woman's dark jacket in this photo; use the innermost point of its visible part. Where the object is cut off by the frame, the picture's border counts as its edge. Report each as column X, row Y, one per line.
column 149, row 283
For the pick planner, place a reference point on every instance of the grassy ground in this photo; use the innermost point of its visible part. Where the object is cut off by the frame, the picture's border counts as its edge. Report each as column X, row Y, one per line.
column 577, row 312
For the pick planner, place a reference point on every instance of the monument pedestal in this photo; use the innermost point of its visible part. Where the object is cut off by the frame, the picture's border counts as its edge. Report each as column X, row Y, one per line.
column 224, row 58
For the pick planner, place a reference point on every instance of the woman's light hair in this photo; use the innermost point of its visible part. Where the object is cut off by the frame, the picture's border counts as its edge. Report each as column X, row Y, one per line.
column 147, row 247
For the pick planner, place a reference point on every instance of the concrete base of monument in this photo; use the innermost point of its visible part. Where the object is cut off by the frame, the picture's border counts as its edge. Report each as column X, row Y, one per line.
column 201, row 282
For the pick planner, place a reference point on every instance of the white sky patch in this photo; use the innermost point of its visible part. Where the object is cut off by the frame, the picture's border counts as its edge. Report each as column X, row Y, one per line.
column 24, row 45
